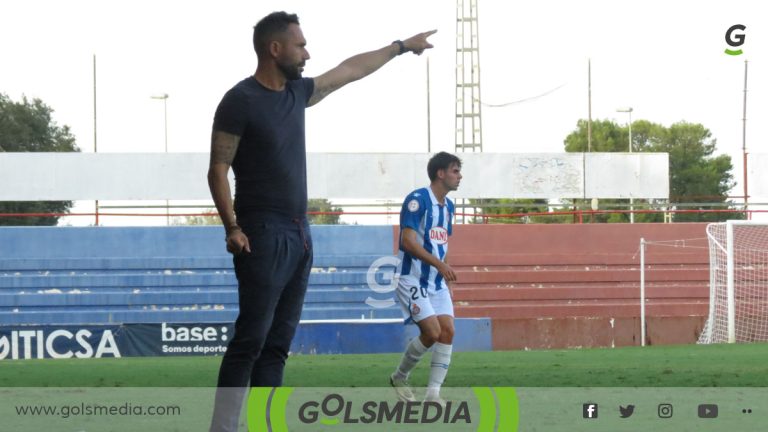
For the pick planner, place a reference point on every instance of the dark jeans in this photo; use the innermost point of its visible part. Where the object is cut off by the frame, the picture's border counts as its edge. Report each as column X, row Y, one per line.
column 272, row 280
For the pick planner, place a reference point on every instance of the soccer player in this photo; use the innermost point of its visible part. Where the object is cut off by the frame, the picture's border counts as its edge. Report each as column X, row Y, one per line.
column 425, row 225
column 258, row 131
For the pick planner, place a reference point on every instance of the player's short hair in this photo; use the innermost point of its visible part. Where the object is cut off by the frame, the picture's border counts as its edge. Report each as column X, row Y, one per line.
column 273, row 24
column 442, row 160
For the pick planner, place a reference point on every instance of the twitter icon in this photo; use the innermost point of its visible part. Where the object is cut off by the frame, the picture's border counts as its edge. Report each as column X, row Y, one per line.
column 626, row 411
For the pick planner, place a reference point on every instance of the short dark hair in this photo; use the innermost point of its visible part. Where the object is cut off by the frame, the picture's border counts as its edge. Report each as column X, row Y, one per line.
column 442, row 160
column 272, row 24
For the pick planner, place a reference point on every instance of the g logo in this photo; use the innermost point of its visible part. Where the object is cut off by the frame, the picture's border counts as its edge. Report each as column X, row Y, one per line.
column 735, row 40
column 382, row 288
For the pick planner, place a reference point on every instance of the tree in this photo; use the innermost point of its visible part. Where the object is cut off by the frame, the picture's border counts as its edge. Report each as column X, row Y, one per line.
column 607, row 136
column 206, row 219
column 321, row 205
column 506, row 206
column 313, row 205
column 28, row 126
column 696, row 178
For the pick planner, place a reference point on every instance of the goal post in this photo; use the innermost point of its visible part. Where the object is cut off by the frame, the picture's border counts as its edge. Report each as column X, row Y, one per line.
column 738, row 282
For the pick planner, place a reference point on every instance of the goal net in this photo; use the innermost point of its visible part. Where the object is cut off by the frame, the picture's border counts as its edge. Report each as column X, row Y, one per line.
column 738, row 282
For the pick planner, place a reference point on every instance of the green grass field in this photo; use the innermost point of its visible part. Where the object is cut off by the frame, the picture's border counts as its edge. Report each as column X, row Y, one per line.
column 658, row 366
column 551, row 387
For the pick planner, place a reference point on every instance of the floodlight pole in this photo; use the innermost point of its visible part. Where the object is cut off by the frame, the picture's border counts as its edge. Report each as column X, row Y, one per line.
column 744, row 145
column 95, row 134
column 164, row 98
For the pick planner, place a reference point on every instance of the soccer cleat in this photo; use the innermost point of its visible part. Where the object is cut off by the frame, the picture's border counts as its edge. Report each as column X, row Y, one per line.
column 402, row 388
column 432, row 397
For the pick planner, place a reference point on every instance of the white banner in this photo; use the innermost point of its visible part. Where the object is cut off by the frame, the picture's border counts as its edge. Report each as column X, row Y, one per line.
column 182, row 176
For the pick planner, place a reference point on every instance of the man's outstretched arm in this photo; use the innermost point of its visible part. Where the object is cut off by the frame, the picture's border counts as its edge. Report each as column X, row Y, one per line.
column 362, row 65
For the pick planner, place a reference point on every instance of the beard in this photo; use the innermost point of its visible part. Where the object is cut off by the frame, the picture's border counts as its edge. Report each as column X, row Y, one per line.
column 291, row 71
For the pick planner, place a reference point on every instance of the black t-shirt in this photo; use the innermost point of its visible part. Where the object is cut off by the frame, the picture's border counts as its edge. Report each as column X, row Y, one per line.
column 270, row 165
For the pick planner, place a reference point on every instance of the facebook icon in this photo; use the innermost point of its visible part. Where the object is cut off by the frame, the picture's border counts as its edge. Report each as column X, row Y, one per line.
column 589, row 410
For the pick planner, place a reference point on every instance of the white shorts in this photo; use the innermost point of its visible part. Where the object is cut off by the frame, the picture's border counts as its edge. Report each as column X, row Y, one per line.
column 417, row 304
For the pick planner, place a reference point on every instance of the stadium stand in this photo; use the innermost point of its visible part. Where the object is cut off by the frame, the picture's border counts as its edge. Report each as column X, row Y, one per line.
column 542, row 286
column 105, row 275
column 572, row 285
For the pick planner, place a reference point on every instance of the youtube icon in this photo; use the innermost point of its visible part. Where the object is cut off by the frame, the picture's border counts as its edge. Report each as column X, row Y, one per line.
column 707, row 411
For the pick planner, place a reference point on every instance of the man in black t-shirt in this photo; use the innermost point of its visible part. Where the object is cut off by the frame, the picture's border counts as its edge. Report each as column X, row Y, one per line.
column 258, row 130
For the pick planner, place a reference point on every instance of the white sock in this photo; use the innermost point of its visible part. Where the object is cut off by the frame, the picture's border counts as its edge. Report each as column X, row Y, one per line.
column 411, row 357
column 441, row 359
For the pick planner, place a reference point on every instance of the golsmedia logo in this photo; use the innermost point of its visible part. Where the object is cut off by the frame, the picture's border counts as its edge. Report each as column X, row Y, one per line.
column 735, row 38
column 334, row 409
column 283, row 409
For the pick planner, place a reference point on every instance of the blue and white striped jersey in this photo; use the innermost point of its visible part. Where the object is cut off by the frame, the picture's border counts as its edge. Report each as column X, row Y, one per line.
column 434, row 223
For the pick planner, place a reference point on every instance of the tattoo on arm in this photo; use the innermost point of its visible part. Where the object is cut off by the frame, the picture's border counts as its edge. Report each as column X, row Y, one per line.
column 223, row 150
column 223, row 147
column 320, row 92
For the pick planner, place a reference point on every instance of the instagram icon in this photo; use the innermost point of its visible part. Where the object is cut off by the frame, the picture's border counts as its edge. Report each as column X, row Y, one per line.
column 665, row 410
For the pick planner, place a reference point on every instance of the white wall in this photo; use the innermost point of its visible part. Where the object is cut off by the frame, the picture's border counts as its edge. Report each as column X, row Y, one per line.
column 757, row 177
column 182, row 176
